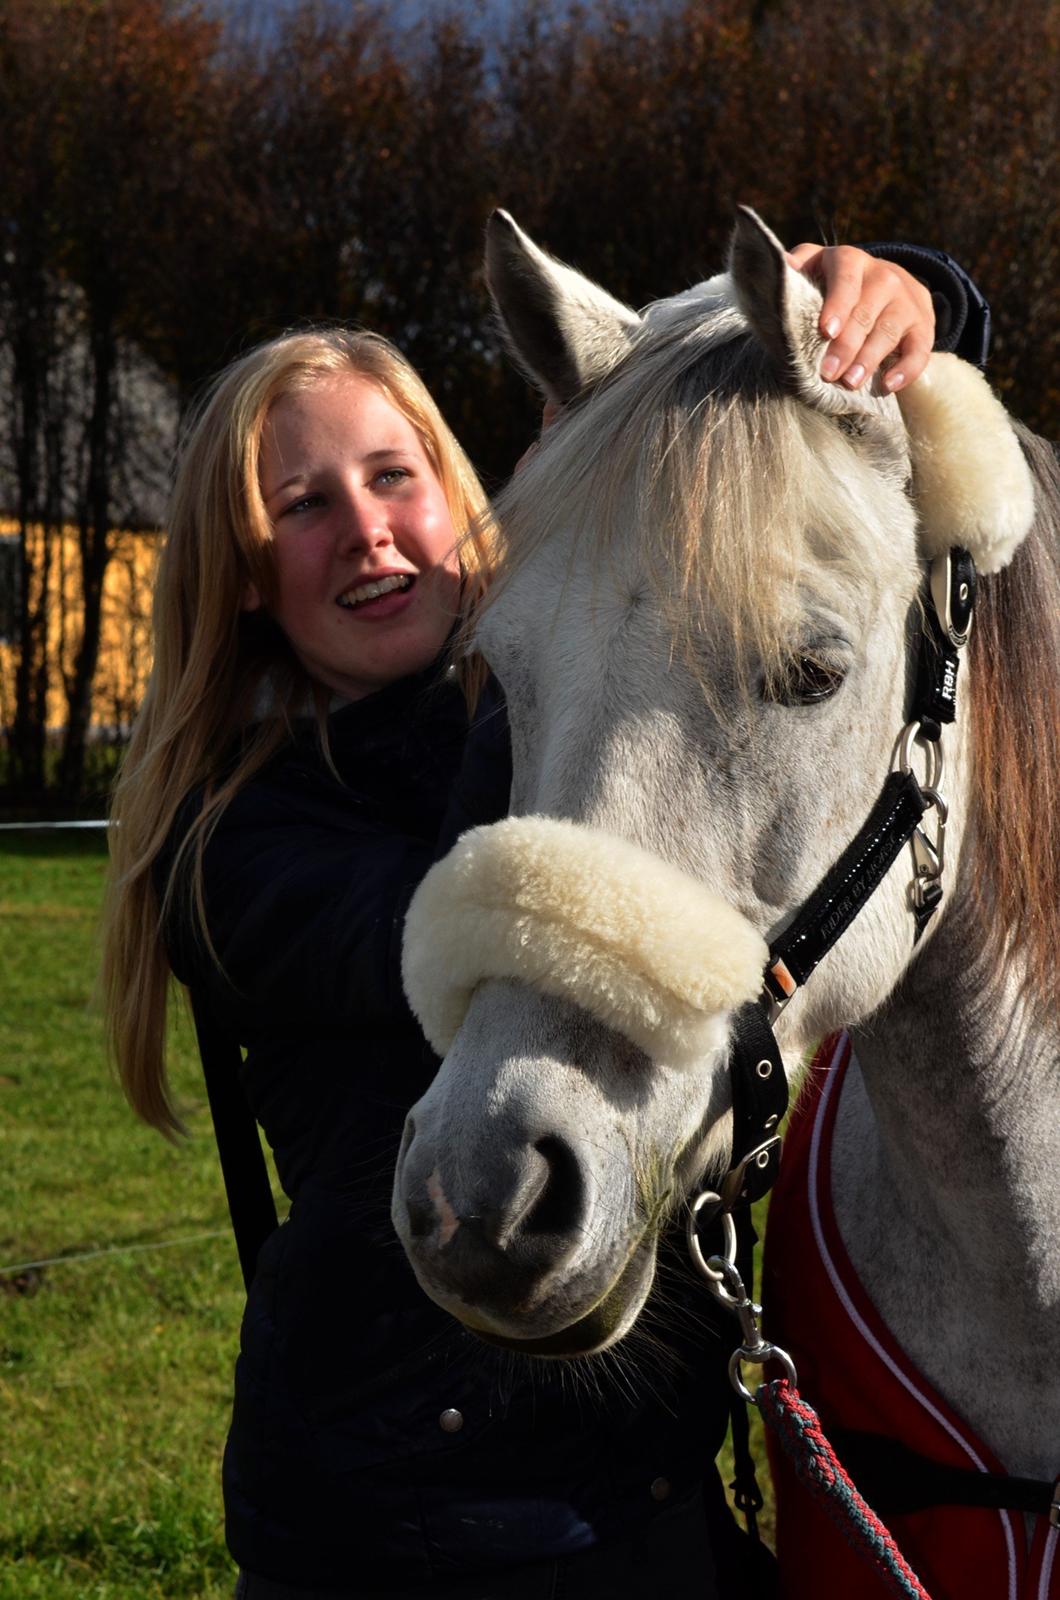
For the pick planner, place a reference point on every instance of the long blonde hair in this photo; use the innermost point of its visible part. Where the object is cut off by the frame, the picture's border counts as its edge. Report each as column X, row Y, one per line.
column 196, row 729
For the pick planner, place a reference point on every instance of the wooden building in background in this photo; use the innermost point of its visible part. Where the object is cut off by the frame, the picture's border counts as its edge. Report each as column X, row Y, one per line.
column 125, row 649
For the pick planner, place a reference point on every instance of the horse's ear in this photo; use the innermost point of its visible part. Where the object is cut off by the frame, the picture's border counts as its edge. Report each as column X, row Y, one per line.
column 783, row 309
column 563, row 330
column 970, row 481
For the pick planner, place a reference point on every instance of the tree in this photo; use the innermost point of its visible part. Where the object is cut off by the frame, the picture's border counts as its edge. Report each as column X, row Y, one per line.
column 173, row 192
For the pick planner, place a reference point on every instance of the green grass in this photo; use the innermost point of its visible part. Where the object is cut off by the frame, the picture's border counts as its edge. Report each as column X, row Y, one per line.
column 115, row 1371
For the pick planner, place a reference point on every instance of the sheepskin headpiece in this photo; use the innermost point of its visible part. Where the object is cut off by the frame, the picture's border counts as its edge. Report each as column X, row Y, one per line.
column 584, row 916
column 971, row 482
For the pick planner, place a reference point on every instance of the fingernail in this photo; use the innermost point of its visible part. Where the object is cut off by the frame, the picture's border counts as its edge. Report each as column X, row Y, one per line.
column 853, row 375
column 832, row 327
column 894, row 380
column 829, row 366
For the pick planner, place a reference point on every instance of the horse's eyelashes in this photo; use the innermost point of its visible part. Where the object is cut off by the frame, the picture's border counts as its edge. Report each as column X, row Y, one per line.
column 804, row 681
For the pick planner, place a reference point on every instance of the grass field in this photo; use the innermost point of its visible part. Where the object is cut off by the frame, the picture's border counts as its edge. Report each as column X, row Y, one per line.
column 115, row 1369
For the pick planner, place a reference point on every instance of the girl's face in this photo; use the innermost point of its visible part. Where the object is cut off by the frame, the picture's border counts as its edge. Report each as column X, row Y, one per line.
column 366, row 569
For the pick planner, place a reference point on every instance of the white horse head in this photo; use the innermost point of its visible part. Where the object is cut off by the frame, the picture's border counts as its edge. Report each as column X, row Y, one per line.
column 703, row 628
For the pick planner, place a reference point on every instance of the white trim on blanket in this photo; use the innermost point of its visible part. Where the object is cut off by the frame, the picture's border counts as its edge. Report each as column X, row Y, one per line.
column 866, row 1333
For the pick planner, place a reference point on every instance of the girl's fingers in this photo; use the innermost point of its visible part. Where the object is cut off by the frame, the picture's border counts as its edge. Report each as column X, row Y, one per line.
column 803, row 254
column 875, row 327
column 872, row 309
column 840, row 272
column 907, row 363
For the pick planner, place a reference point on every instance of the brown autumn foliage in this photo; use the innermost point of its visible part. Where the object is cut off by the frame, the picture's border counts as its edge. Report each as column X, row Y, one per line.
column 181, row 189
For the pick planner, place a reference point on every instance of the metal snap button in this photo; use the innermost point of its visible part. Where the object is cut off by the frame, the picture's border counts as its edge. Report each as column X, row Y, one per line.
column 451, row 1420
column 660, row 1488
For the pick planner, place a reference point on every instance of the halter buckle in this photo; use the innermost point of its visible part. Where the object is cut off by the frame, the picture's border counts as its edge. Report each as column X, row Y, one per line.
column 747, row 1179
column 951, row 580
column 929, row 858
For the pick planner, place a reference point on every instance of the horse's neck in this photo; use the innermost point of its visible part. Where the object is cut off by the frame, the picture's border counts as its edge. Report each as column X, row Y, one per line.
column 945, row 1184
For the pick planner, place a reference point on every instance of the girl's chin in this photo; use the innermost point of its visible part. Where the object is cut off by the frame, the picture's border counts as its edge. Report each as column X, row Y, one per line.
column 356, row 680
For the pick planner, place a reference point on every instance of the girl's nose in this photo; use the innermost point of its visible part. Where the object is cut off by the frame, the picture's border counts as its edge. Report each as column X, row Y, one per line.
column 365, row 525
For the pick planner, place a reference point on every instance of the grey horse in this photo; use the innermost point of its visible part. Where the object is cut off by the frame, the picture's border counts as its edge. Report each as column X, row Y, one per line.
column 704, row 623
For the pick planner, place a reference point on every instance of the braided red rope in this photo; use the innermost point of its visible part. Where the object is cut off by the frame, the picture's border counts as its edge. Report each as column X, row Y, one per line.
column 798, row 1429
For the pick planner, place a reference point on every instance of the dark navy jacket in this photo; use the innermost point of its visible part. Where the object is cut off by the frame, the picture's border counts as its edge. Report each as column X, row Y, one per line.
column 337, row 1466
column 962, row 315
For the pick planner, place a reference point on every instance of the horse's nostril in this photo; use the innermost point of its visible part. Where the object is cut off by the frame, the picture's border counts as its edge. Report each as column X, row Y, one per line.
column 560, row 1205
column 406, row 1138
column 421, row 1217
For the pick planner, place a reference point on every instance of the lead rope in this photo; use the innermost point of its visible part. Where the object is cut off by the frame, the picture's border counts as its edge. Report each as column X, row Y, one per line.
column 797, row 1429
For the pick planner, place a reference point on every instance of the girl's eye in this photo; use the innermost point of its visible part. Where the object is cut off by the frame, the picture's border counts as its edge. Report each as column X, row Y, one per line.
column 308, row 502
column 391, row 476
column 804, row 682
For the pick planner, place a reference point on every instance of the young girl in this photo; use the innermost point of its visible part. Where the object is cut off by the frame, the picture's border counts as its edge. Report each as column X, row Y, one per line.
column 302, row 756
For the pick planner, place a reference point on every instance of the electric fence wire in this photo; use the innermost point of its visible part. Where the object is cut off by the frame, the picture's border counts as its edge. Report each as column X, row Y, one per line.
column 113, row 1250
column 110, row 1249
column 38, row 827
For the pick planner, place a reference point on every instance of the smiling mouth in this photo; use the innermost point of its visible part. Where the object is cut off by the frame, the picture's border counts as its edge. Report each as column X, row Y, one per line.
column 363, row 594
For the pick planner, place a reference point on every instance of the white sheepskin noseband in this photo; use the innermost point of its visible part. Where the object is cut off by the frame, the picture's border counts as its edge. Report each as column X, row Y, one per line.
column 971, row 482
column 584, row 916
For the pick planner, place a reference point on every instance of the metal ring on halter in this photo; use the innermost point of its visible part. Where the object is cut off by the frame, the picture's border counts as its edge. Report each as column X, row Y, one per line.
column 933, row 798
column 759, row 1355
column 932, row 748
column 715, row 1279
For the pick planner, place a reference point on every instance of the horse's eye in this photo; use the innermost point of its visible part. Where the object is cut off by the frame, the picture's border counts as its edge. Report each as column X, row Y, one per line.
column 803, row 682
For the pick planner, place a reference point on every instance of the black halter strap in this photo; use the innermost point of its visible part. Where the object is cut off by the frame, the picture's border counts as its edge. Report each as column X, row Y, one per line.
column 902, row 802
column 759, row 1085
column 845, row 888
column 759, row 1101
column 759, row 1093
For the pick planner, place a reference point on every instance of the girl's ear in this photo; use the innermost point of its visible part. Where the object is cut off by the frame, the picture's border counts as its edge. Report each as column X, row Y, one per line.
column 251, row 600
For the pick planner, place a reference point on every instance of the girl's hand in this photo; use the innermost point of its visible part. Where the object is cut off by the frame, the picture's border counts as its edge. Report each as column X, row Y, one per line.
column 874, row 314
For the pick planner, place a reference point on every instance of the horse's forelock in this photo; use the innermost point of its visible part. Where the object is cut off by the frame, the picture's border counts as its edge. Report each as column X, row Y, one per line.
column 745, row 499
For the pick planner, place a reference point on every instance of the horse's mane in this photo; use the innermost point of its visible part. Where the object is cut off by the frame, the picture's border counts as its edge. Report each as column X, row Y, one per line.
column 1014, row 657
column 753, row 500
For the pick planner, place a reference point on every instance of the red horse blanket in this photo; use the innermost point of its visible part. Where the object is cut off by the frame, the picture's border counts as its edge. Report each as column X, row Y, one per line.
column 854, row 1374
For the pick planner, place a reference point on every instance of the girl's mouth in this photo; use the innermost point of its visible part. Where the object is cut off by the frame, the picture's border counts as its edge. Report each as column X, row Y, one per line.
column 378, row 597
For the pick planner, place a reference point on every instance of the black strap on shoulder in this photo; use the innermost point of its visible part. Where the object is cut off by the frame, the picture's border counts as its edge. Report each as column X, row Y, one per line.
column 895, row 1479
column 246, row 1177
